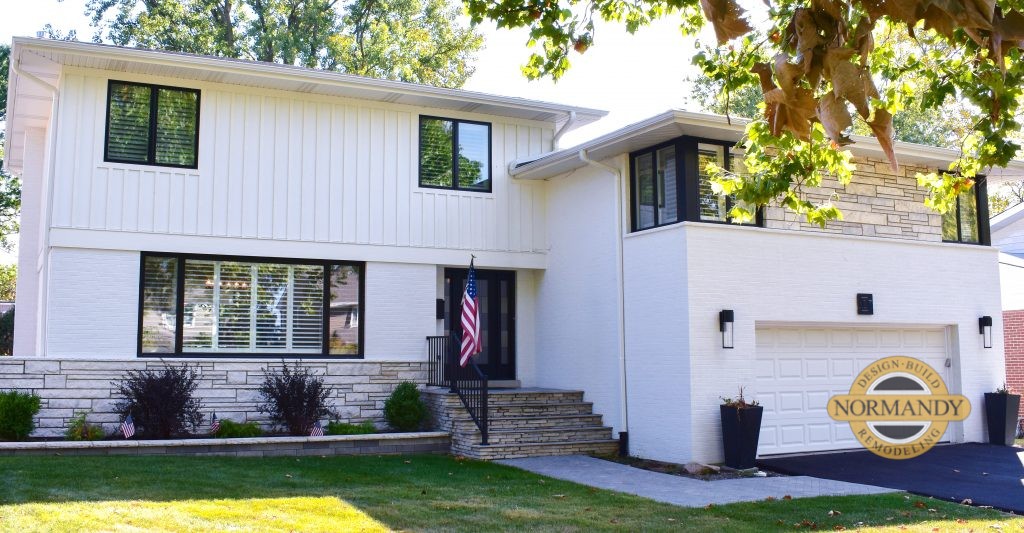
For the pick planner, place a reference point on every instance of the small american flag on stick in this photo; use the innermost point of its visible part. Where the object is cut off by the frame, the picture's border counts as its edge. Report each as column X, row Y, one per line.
column 471, row 344
column 317, row 431
column 128, row 427
column 214, row 425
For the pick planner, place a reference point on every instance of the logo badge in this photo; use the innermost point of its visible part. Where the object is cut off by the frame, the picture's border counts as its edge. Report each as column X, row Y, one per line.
column 898, row 407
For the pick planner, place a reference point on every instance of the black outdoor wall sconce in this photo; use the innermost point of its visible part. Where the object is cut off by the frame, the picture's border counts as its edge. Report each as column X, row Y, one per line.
column 985, row 329
column 725, row 323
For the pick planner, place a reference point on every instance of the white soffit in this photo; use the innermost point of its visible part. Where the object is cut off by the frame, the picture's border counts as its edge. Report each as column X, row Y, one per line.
column 676, row 123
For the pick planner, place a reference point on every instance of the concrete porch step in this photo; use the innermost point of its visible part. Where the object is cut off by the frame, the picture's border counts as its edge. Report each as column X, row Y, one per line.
column 536, row 436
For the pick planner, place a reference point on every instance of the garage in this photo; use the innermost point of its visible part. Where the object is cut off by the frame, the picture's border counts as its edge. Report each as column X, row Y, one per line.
column 798, row 369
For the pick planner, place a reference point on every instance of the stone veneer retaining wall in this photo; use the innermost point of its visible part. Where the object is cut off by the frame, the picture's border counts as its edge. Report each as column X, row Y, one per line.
column 377, row 444
column 227, row 387
column 876, row 203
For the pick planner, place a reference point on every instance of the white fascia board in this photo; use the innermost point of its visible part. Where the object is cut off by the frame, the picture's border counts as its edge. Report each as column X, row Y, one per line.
column 673, row 123
column 299, row 74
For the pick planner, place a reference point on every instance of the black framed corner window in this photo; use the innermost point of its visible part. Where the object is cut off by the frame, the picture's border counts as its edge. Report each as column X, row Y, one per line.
column 152, row 125
column 670, row 183
column 967, row 221
column 197, row 305
column 455, row 154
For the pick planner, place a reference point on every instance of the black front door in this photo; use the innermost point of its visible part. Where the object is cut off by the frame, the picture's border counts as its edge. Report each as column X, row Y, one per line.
column 496, row 290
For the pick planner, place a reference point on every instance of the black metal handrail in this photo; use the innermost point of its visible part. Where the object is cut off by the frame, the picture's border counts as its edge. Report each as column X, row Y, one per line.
column 469, row 382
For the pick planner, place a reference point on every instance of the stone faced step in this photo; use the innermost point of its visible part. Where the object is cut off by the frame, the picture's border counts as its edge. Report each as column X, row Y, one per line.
column 500, row 397
column 511, row 451
column 530, row 422
column 521, row 409
column 536, row 436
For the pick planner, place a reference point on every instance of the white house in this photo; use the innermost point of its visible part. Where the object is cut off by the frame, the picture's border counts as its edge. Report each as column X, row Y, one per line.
column 233, row 214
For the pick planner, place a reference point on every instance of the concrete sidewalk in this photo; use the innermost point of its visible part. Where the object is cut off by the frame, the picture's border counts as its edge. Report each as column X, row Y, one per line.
column 684, row 491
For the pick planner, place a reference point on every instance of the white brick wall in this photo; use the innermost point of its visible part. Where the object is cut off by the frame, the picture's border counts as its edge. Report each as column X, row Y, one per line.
column 399, row 310
column 577, row 296
column 92, row 308
column 790, row 278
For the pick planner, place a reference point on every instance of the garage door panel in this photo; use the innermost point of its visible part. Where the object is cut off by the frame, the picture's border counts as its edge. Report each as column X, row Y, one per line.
column 799, row 369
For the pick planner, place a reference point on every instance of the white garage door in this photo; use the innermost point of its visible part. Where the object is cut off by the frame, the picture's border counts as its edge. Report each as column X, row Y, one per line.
column 799, row 369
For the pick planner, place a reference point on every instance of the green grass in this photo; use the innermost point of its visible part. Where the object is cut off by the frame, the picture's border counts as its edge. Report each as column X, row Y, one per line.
column 420, row 493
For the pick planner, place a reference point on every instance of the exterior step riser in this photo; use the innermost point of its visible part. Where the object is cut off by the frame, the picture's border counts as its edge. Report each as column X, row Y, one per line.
column 526, row 397
column 513, row 451
column 552, row 435
column 500, row 411
column 501, row 424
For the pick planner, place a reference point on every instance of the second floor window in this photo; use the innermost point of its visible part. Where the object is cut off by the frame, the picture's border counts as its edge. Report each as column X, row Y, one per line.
column 152, row 125
column 962, row 222
column 455, row 154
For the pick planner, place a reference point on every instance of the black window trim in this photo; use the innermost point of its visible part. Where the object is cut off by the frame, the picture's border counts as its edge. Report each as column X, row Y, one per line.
column 981, row 207
column 151, row 149
column 455, row 155
column 180, row 296
column 688, row 183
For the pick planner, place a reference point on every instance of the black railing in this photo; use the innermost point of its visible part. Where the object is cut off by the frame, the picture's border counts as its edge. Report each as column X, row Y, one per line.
column 437, row 349
column 469, row 382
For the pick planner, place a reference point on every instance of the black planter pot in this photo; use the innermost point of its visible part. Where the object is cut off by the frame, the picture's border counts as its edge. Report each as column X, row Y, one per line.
column 740, row 430
column 1001, row 414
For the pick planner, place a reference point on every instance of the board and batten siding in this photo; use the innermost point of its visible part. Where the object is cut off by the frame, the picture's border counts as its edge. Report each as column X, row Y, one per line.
column 292, row 167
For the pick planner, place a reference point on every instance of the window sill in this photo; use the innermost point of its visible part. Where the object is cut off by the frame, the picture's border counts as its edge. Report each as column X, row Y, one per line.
column 142, row 167
column 247, row 356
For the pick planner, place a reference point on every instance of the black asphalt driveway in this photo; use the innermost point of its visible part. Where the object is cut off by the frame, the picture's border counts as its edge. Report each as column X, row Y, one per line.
column 985, row 474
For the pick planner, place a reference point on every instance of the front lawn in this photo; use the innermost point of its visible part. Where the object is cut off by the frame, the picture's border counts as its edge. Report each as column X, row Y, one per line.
column 413, row 493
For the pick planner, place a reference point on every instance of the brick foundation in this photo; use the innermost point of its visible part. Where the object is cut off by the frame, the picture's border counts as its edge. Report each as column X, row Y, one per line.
column 1013, row 340
column 227, row 387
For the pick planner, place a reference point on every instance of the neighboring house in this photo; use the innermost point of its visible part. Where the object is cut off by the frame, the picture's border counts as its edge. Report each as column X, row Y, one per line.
column 1008, row 237
column 233, row 214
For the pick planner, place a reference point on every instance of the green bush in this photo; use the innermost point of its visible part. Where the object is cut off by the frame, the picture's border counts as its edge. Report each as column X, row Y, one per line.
column 17, row 413
column 342, row 428
column 79, row 429
column 404, row 409
column 230, row 429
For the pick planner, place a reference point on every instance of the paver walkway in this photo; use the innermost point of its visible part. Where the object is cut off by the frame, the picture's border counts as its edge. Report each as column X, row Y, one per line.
column 684, row 491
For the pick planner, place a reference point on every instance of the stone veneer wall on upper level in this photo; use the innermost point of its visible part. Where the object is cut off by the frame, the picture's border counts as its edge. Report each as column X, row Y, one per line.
column 227, row 387
column 876, row 203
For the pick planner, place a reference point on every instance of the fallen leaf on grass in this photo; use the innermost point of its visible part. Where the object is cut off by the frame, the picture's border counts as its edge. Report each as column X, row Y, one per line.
column 932, row 511
column 671, row 519
column 559, row 496
column 838, row 527
column 961, row 521
column 770, row 499
column 613, row 521
column 920, row 504
column 787, row 497
column 288, row 475
column 834, row 513
column 408, row 462
column 966, row 501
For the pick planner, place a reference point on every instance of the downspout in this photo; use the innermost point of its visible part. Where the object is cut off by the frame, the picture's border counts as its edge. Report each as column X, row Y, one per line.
column 621, row 296
column 554, row 142
column 47, row 214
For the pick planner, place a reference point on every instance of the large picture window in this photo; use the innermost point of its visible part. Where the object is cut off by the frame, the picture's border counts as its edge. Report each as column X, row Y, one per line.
column 152, row 125
column 671, row 183
column 455, row 154
column 209, row 305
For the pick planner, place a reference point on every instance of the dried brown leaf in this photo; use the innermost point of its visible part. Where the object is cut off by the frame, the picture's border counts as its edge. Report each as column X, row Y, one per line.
column 805, row 37
column 834, row 115
column 863, row 40
column 849, row 81
column 726, row 16
column 833, row 8
column 881, row 126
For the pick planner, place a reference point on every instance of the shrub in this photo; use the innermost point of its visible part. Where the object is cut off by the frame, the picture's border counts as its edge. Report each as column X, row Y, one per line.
column 404, row 409
column 294, row 399
column 162, row 403
column 341, row 428
column 230, row 429
column 7, row 332
column 17, row 413
column 79, row 429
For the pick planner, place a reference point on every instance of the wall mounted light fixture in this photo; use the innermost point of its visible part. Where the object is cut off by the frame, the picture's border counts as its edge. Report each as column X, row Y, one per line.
column 725, row 323
column 985, row 329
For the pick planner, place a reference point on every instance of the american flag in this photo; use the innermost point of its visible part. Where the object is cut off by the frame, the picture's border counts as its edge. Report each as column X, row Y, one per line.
column 128, row 427
column 317, row 431
column 471, row 344
column 214, row 425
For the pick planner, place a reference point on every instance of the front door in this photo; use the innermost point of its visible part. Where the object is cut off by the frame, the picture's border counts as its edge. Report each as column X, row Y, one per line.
column 496, row 290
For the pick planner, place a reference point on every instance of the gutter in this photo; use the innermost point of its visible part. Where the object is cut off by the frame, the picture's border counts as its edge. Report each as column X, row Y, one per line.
column 47, row 214
column 621, row 296
column 563, row 130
